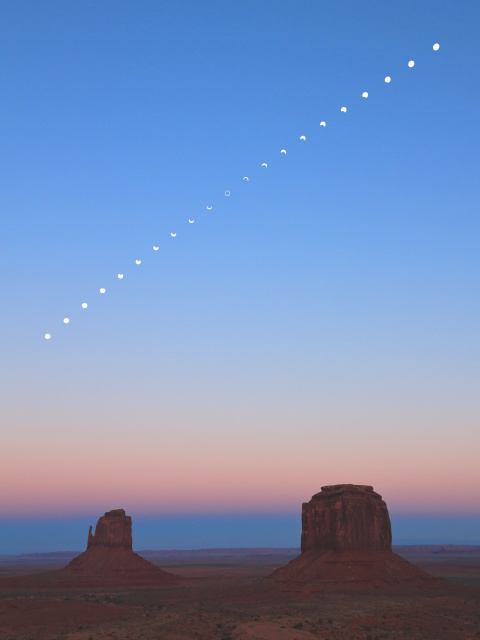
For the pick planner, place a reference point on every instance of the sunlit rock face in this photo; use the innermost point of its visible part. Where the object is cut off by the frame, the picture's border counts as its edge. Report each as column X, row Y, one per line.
column 114, row 529
column 346, row 517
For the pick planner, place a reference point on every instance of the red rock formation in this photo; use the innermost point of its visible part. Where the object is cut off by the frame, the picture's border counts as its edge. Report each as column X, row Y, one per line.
column 347, row 544
column 109, row 559
column 107, row 562
column 346, row 516
column 114, row 529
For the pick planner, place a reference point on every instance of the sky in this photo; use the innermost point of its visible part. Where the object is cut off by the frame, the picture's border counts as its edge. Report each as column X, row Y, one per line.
column 318, row 325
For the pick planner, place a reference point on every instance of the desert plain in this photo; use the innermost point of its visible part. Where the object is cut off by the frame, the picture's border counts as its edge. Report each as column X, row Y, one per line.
column 222, row 594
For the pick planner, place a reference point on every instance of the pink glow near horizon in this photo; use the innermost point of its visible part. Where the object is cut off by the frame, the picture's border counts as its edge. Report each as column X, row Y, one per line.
column 232, row 479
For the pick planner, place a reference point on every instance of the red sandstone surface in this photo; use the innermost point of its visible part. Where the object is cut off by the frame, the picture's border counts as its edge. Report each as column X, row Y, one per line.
column 346, row 544
column 346, row 516
column 353, row 570
column 114, row 529
column 108, row 561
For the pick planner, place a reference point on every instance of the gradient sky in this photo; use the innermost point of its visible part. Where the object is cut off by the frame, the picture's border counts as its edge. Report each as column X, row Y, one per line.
column 318, row 326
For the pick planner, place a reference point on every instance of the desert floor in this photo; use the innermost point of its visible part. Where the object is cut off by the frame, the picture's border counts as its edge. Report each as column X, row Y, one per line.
column 222, row 596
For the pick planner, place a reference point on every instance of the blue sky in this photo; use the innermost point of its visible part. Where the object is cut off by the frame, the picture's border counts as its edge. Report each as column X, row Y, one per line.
column 212, row 531
column 319, row 325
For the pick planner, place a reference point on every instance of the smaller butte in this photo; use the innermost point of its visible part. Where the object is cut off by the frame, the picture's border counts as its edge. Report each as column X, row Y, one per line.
column 346, row 543
column 109, row 559
column 108, row 562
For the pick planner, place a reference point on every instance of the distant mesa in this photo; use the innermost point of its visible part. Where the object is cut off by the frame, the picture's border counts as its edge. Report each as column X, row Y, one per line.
column 346, row 543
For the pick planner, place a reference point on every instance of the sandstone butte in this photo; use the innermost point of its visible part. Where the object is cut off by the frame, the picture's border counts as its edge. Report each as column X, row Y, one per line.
column 108, row 561
column 346, row 543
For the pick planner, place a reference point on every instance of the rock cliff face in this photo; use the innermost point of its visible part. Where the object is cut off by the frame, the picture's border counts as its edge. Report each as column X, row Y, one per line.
column 114, row 529
column 347, row 545
column 346, row 517
column 109, row 560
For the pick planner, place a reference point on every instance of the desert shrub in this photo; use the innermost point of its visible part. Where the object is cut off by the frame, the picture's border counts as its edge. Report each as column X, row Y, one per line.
column 299, row 625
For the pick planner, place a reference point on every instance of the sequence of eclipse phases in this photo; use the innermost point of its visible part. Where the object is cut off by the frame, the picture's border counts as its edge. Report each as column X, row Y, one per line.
column 227, row 193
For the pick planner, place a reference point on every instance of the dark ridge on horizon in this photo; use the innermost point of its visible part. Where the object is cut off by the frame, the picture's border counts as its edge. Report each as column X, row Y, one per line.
column 219, row 552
